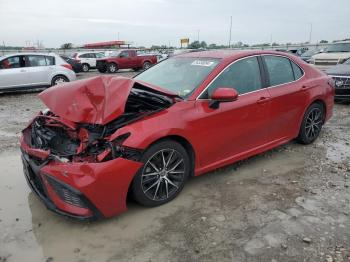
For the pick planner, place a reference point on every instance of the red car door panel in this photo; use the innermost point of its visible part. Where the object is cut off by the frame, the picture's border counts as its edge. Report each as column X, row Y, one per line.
column 233, row 128
column 288, row 97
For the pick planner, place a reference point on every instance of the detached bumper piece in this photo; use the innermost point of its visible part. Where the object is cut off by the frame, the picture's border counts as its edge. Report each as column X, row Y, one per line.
column 56, row 195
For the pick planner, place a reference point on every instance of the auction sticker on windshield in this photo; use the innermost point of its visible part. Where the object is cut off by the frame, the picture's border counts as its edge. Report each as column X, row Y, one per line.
column 202, row 63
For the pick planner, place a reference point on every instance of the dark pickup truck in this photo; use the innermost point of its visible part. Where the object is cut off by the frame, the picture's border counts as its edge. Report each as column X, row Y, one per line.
column 125, row 59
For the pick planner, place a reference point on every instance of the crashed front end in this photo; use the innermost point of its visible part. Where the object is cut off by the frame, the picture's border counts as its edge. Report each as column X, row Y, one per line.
column 82, row 169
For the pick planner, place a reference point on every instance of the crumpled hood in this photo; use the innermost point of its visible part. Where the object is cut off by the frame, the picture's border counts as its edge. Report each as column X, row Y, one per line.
column 96, row 100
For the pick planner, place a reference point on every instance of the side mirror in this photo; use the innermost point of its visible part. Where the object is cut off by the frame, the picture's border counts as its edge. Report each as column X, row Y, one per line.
column 222, row 94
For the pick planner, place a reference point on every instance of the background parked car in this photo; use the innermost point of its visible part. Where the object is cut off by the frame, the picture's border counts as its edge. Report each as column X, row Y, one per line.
column 336, row 53
column 77, row 66
column 125, row 59
column 33, row 70
column 341, row 75
column 88, row 59
column 306, row 56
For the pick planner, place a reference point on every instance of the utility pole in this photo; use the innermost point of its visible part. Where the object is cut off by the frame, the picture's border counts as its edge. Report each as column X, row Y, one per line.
column 198, row 35
column 310, row 33
column 271, row 40
column 229, row 41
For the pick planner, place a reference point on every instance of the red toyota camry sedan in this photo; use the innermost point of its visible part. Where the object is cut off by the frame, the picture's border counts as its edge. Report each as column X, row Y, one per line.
column 103, row 138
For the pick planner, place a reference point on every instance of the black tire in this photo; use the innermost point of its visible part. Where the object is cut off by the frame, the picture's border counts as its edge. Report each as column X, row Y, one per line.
column 312, row 124
column 58, row 79
column 151, row 186
column 146, row 65
column 112, row 68
column 102, row 70
column 85, row 67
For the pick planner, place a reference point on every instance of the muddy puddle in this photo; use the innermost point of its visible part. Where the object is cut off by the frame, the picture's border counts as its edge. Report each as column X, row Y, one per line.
column 29, row 232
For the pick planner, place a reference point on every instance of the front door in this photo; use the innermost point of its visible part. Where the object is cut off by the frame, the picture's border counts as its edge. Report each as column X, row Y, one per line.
column 237, row 127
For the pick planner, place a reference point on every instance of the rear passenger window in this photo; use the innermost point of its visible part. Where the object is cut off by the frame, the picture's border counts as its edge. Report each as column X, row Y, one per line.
column 298, row 73
column 279, row 70
column 36, row 60
column 50, row 60
column 243, row 75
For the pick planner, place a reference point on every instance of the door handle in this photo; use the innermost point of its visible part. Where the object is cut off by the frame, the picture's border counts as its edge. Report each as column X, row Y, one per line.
column 307, row 87
column 263, row 100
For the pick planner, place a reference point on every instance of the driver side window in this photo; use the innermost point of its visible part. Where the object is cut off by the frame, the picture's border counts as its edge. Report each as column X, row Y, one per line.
column 243, row 75
column 12, row 62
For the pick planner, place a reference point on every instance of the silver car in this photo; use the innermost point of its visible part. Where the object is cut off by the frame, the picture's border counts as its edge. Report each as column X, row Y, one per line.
column 32, row 70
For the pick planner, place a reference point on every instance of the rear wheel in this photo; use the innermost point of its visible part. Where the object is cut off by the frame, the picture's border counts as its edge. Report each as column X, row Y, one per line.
column 163, row 176
column 146, row 65
column 112, row 68
column 58, row 80
column 86, row 68
column 312, row 124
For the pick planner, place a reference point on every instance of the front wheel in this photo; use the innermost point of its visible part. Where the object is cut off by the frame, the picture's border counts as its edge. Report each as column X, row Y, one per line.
column 312, row 124
column 163, row 175
column 86, row 68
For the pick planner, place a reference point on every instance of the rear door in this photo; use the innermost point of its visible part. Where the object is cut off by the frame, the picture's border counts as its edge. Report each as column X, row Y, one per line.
column 288, row 100
column 237, row 127
column 39, row 68
column 13, row 72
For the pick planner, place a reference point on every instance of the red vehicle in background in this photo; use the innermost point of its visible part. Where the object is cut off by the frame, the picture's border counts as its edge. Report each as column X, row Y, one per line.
column 125, row 59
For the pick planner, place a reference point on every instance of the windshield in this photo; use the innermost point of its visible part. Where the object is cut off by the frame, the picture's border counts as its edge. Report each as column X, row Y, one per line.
column 181, row 75
column 341, row 47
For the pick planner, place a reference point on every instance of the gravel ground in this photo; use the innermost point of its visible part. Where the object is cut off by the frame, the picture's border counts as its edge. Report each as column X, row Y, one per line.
column 288, row 204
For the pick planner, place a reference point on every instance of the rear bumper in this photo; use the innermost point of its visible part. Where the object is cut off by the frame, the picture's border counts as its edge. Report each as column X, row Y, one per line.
column 85, row 191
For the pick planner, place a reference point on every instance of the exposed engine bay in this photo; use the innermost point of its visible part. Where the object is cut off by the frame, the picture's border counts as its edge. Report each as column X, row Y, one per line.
column 68, row 141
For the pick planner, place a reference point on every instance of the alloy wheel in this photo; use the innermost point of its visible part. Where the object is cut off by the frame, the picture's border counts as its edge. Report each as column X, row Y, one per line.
column 112, row 68
column 163, row 174
column 146, row 65
column 85, row 68
column 313, row 123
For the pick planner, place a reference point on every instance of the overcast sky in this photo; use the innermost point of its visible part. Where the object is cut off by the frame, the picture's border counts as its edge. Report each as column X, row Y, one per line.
column 147, row 22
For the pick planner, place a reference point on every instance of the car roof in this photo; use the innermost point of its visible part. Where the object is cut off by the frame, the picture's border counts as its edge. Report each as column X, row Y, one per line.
column 27, row 53
column 230, row 54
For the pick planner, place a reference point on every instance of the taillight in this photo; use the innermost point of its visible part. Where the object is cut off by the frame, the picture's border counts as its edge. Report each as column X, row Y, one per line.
column 67, row 66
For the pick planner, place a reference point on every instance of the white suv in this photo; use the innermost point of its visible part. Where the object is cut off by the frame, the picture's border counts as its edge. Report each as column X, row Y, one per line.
column 32, row 70
column 88, row 59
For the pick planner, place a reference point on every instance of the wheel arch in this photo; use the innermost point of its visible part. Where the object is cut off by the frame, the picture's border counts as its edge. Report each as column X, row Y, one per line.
column 320, row 102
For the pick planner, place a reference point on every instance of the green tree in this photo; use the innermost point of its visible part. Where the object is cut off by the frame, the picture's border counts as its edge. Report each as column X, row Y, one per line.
column 67, row 46
column 194, row 45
